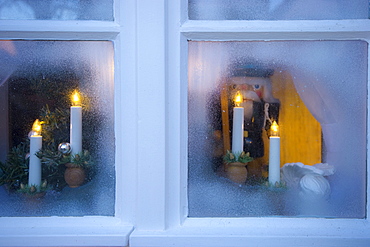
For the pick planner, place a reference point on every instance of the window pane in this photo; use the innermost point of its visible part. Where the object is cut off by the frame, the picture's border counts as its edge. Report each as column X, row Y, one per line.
column 315, row 91
column 37, row 81
column 56, row 10
column 277, row 9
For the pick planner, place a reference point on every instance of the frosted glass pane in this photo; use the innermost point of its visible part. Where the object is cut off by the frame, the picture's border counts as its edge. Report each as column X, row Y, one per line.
column 56, row 10
column 277, row 9
column 328, row 79
column 37, row 80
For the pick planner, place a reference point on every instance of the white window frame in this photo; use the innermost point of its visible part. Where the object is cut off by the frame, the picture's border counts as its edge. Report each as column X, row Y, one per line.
column 150, row 40
column 89, row 230
column 163, row 217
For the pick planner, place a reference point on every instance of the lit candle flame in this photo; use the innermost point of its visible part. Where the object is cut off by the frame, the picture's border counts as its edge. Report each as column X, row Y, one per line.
column 274, row 129
column 238, row 99
column 76, row 99
column 36, row 127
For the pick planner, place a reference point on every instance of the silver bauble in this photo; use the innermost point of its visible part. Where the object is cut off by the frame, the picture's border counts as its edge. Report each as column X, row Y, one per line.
column 64, row 148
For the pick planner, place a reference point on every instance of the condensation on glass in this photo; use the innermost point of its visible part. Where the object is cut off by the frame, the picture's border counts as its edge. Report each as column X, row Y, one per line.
column 278, row 9
column 321, row 90
column 56, row 10
column 37, row 79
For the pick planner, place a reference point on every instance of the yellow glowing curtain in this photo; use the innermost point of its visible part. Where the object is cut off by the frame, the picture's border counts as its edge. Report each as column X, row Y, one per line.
column 300, row 132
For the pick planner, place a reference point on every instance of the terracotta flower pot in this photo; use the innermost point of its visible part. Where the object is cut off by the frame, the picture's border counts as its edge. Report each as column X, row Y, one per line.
column 34, row 197
column 74, row 175
column 237, row 172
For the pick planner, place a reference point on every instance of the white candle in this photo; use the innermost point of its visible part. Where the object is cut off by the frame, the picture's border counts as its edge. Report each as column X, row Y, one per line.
column 274, row 155
column 76, row 125
column 238, row 126
column 34, row 172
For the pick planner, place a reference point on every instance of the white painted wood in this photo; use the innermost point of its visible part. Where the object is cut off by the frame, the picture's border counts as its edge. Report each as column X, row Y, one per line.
column 276, row 30
column 212, row 238
column 63, row 231
column 151, row 115
column 258, row 232
column 126, row 112
column 60, row 30
column 55, row 232
column 176, row 121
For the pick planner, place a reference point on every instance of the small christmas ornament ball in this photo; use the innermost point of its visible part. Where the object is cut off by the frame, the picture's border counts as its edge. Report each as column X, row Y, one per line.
column 27, row 156
column 64, row 148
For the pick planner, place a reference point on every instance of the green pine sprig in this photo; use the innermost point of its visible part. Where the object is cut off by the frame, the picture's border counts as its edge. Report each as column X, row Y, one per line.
column 238, row 157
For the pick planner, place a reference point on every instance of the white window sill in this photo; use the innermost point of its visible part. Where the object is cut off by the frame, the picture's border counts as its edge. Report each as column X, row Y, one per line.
column 258, row 232
column 64, row 231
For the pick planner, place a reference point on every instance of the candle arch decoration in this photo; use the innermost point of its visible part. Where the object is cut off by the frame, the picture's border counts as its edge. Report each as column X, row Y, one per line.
column 54, row 154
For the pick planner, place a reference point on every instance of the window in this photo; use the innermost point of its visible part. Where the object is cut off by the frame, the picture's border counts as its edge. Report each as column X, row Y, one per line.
column 155, row 46
column 318, row 72
column 90, row 55
column 174, row 216
column 277, row 10
column 56, row 10
column 40, row 79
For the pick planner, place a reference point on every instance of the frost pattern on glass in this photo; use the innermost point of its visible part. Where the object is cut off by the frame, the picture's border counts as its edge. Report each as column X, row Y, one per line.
column 330, row 77
column 56, row 10
column 31, row 76
column 277, row 9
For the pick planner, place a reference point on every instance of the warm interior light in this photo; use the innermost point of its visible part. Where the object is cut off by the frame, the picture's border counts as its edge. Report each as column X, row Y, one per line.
column 76, row 99
column 274, row 129
column 36, row 127
column 238, row 98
